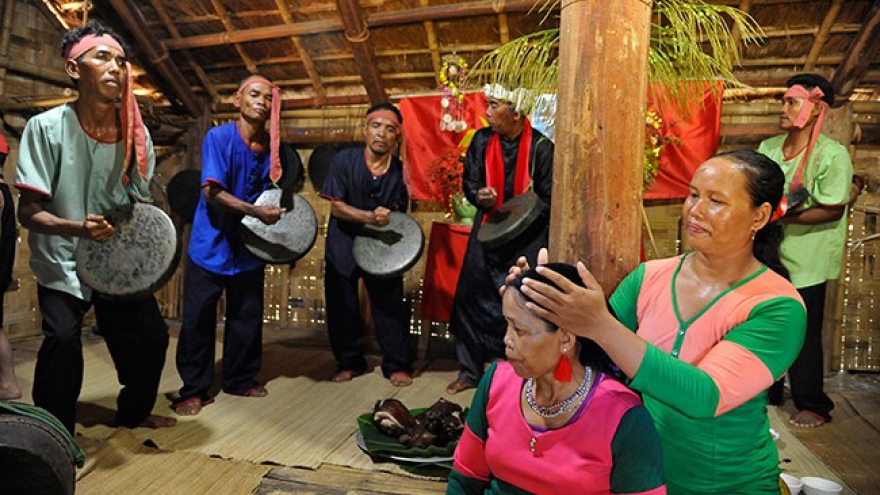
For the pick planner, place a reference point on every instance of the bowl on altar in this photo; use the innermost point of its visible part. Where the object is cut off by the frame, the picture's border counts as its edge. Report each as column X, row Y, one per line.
column 814, row 485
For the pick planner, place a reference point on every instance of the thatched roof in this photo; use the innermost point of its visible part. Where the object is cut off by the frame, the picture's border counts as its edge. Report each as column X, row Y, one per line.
column 338, row 53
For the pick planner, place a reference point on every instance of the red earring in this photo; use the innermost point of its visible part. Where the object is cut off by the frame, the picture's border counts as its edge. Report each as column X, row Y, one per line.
column 563, row 369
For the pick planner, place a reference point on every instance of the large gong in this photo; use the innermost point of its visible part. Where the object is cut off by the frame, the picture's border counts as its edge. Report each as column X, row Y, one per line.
column 138, row 259
column 510, row 220
column 34, row 458
column 390, row 250
column 287, row 240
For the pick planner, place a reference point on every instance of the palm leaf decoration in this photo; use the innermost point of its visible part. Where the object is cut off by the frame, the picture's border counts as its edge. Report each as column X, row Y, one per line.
column 690, row 40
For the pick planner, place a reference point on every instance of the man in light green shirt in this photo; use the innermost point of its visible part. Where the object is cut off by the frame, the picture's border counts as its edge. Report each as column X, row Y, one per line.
column 815, row 231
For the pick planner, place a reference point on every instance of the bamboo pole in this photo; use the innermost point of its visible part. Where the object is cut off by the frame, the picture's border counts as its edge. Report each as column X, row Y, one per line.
column 158, row 54
column 357, row 33
column 229, row 27
column 597, row 169
column 159, row 7
column 822, row 36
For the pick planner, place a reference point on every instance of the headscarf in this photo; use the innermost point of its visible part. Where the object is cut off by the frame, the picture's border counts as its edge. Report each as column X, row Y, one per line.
column 811, row 98
column 134, row 133
column 274, row 125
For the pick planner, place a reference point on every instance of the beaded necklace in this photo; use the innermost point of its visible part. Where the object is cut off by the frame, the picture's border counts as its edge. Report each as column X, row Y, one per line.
column 562, row 407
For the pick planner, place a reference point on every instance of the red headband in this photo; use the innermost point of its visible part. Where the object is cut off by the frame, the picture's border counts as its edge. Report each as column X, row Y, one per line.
column 811, row 98
column 384, row 114
column 274, row 125
column 134, row 134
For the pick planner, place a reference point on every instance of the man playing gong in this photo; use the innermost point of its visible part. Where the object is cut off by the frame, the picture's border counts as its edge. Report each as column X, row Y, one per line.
column 76, row 162
column 240, row 160
column 504, row 160
column 364, row 185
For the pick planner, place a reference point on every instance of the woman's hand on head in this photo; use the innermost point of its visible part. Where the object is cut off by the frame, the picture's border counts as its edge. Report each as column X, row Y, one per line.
column 522, row 266
column 573, row 308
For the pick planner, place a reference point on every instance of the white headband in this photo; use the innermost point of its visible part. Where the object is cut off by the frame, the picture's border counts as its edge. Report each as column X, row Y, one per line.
column 519, row 98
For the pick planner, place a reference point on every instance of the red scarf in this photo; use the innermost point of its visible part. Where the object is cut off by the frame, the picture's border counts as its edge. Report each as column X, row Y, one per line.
column 495, row 166
column 134, row 134
column 811, row 98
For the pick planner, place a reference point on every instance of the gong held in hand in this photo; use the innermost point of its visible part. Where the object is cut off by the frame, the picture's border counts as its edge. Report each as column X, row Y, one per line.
column 137, row 259
column 510, row 220
column 286, row 240
column 389, row 250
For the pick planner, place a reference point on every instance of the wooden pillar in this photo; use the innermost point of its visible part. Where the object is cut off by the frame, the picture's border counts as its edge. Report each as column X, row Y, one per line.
column 597, row 169
column 8, row 11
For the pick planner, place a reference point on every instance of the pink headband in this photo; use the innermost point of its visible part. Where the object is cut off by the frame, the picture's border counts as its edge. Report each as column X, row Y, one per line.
column 274, row 125
column 90, row 41
column 811, row 99
column 134, row 134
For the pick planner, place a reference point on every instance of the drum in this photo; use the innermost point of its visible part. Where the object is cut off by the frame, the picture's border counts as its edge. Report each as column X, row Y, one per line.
column 319, row 165
column 135, row 261
column 184, row 191
column 34, row 458
column 287, row 240
column 390, row 250
column 510, row 220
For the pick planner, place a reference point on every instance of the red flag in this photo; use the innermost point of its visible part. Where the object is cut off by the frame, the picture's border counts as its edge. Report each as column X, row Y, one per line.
column 695, row 137
column 425, row 142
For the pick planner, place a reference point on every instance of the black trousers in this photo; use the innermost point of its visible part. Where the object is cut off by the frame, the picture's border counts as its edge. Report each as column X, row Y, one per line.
column 347, row 331
column 242, row 334
column 136, row 336
column 806, row 375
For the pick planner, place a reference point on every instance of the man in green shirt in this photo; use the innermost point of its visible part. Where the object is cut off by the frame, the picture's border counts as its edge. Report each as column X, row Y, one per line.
column 815, row 231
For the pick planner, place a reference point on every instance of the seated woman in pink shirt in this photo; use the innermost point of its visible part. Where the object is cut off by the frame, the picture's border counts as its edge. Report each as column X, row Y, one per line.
column 543, row 422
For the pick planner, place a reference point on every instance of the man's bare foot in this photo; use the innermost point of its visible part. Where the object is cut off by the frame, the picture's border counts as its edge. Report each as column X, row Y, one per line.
column 11, row 392
column 189, row 407
column 256, row 391
column 807, row 419
column 344, row 376
column 401, row 379
column 459, row 385
column 154, row 421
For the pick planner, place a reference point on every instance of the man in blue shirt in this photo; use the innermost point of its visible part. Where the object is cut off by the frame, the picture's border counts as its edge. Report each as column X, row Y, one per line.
column 364, row 185
column 237, row 166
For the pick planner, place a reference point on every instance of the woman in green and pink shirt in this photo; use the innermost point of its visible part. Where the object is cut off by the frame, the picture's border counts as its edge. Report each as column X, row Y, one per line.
column 703, row 335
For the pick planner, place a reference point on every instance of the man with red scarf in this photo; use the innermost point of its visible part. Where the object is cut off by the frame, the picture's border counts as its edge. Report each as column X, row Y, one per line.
column 77, row 161
column 504, row 160
column 815, row 231
column 364, row 185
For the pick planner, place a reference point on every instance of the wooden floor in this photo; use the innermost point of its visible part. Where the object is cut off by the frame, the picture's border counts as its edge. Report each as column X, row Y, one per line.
column 849, row 445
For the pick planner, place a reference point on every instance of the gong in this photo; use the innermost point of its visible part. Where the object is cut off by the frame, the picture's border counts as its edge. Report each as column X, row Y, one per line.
column 291, row 168
column 510, row 220
column 796, row 197
column 319, row 165
column 138, row 259
column 389, row 250
column 184, row 191
column 287, row 240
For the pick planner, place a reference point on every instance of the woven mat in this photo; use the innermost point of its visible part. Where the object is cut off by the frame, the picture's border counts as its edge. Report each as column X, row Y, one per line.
column 795, row 458
column 124, row 465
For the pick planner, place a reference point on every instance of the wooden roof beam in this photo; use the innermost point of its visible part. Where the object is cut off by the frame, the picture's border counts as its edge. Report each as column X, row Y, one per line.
column 378, row 19
column 357, row 32
column 159, row 7
column 858, row 56
column 503, row 28
column 745, row 6
column 158, row 54
column 303, row 53
column 431, row 35
column 229, row 27
column 822, row 36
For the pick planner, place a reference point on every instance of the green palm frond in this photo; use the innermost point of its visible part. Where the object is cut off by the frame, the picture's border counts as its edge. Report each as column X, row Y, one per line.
column 530, row 62
column 679, row 33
